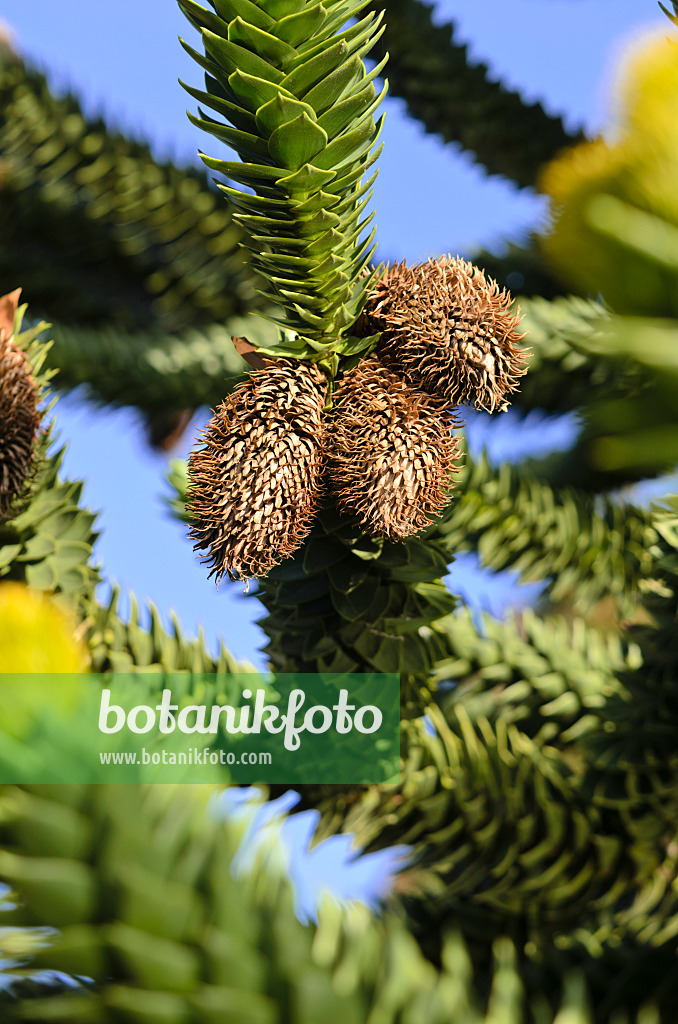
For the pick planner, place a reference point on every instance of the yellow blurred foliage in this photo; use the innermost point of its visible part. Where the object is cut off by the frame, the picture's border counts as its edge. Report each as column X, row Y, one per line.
column 36, row 635
column 614, row 228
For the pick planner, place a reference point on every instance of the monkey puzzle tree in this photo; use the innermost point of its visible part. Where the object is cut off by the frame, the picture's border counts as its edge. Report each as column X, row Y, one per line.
column 539, row 774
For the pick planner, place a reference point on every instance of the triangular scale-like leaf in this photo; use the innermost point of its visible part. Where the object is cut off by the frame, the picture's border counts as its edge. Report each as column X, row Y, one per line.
column 355, row 300
column 340, row 184
column 297, row 142
column 303, row 268
column 298, row 298
column 281, row 242
column 42, row 575
column 333, row 284
column 290, row 569
column 303, row 78
column 421, row 568
column 319, row 201
column 320, row 552
column 232, row 58
column 339, row 662
column 308, row 589
column 283, row 325
column 238, row 116
column 203, row 61
column 203, row 18
column 346, row 112
column 332, row 87
column 351, row 346
column 388, row 657
column 241, row 171
column 38, row 546
column 279, row 111
column 363, row 37
column 306, row 179
column 280, row 260
column 279, row 8
column 346, row 204
column 262, row 43
column 340, row 13
column 220, row 88
column 297, row 28
column 352, row 605
column 292, row 281
column 347, row 576
column 345, row 248
column 245, row 173
column 316, row 46
column 361, row 228
column 335, row 297
column 329, row 265
column 293, row 349
column 365, row 254
column 367, row 641
column 376, row 71
column 413, row 655
column 320, row 323
column 252, row 91
column 348, row 147
column 259, row 204
column 242, row 142
column 354, row 266
column 263, row 225
column 318, row 222
column 352, row 215
column 351, row 111
column 251, row 12
column 345, row 316
column 346, row 8
column 315, row 646
column 8, row 553
column 326, row 243
column 378, row 607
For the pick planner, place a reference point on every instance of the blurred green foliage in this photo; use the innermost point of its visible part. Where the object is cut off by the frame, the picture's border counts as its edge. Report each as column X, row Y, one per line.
column 615, row 232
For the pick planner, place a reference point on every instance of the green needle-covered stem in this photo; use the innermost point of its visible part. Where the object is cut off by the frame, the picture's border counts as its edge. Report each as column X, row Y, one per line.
column 297, row 105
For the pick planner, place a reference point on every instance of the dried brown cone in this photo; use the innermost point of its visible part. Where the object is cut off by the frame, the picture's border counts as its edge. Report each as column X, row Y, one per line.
column 392, row 451
column 450, row 329
column 19, row 414
column 254, row 485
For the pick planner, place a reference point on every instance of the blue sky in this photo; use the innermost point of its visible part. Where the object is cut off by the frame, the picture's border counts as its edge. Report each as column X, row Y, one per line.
column 124, row 59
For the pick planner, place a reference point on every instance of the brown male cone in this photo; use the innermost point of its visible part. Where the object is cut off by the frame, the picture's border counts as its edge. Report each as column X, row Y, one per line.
column 448, row 328
column 19, row 414
column 254, row 485
column 392, row 452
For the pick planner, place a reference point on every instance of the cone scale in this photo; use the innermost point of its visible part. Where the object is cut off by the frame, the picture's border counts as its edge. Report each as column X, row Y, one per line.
column 19, row 414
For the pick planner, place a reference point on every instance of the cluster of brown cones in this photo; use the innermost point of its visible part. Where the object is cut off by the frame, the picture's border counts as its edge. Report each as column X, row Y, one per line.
column 386, row 449
column 19, row 414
